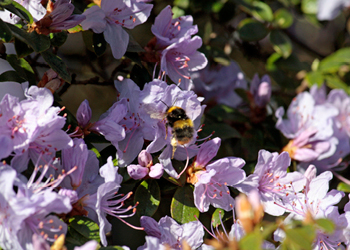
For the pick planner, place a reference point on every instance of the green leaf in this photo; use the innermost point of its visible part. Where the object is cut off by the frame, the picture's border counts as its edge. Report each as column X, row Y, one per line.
column 302, row 237
column 332, row 63
column 343, row 187
column 11, row 76
column 177, row 12
column 251, row 30
column 262, row 11
column 20, row 11
column 57, row 65
column 87, row 38
column 22, row 68
column 5, row 32
column 283, row 18
column 222, row 60
column 334, row 82
column 309, row 6
column 251, row 241
column 182, row 3
column 58, row 39
column 39, row 43
column 86, row 227
column 271, row 62
column 22, row 49
column 219, row 216
column 182, row 207
column 148, row 196
column 314, row 77
column 5, row 2
column 326, row 225
column 99, row 44
column 281, row 43
column 292, row 63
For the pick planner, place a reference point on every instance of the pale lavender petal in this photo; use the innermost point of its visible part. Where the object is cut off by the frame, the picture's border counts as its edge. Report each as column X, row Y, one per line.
column 95, row 19
column 200, row 198
column 156, row 171
column 228, row 170
column 117, row 38
column 151, row 226
column 170, row 230
column 193, row 233
column 208, row 151
column 84, row 113
column 110, row 173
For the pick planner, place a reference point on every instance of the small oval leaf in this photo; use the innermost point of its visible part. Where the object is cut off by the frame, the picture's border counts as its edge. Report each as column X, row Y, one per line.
column 251, row 30
column 262, row 12
column 283, row 18
column 343, row 187
column 86, row 227
column 148, row 196
column 182, row 207
column 57, row 65
column 281, row 43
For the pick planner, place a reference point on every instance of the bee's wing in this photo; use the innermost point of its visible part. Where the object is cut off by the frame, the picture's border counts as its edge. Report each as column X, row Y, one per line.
column 152, row 110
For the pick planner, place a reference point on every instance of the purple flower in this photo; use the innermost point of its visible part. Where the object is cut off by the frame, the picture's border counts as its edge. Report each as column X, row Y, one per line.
column 179, row 59
column 109, row 126
column 237, row 231
column 216, row 83
column 34, row 127
column 33, row 6
column 136, row 127
column 309, row 126
column 211, row 180
column 178, row 51
column 110, row 19
column 271, row 180
column 145, row 167
column 153, row 97
column 328, row 10
column 28, row 211
column 58, row 17
column 338, row 143
column 169, row 232
column 317, row 202
column 107, row 201
column 75, row 156
column 168, row 30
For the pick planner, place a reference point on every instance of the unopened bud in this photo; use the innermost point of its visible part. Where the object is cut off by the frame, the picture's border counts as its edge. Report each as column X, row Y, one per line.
column 249, row 210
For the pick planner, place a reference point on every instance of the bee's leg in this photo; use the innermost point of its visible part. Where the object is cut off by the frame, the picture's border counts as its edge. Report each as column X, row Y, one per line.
column 174, row 144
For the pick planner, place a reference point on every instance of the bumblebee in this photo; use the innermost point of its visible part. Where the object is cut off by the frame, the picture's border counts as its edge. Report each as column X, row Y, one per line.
column 181, row 125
